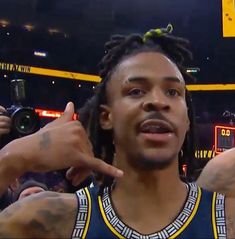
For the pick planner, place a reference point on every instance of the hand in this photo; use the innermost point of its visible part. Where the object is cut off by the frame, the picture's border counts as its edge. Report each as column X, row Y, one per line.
column 61, row 144
column 5, row 122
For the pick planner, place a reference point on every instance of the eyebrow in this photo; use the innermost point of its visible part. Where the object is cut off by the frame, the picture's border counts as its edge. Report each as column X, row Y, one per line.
column 140, row 79
column 135, row 79
column 173, row 79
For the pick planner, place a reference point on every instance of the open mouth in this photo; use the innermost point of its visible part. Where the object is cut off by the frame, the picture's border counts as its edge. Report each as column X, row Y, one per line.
column 157, row 131
column 155, row 127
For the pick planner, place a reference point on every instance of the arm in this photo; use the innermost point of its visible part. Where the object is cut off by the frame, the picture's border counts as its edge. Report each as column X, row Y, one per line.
column 59, row 145
column 219, row 174
column 40, row 216
column 11, row 166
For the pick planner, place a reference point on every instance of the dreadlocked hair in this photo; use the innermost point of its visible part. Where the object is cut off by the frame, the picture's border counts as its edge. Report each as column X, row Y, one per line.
column 116, row 50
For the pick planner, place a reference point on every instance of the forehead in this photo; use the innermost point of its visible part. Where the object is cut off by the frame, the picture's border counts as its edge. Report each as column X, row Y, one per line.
column 152, row 65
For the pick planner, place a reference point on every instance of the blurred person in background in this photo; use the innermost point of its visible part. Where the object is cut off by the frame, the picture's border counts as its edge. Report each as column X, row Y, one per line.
column 5, row 127
column 29, row 188
column 5, row 122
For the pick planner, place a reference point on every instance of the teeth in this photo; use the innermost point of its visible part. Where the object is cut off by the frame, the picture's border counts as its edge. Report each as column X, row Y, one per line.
column 154, row 129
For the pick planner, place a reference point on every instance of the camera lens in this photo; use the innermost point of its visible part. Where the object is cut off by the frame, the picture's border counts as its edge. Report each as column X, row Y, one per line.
column 25, row 121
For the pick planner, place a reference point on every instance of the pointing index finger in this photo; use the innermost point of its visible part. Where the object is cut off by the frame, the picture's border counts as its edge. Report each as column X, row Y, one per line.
column 102, row 167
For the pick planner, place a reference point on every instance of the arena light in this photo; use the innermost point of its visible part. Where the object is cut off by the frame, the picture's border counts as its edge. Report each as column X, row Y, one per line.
column 29, row 27
column 4, row 23
column 193, row 70
column 52, row 113
column 53, row 30
column 40, row 53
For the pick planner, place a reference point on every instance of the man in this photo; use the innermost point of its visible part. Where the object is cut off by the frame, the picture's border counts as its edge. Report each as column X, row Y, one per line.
column 5, row 126
column 5, row 122
column 29, row 188
column 139, row 119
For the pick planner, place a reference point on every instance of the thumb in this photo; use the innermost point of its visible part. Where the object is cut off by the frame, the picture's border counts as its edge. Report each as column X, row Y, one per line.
column 68, row 112
column 64, row 118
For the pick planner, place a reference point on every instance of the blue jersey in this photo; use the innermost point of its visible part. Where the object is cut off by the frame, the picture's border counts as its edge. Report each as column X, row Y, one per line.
column 202, row 216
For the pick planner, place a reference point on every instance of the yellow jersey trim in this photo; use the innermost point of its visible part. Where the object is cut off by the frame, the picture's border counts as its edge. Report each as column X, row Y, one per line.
column 88, row 213
column 191, row 216
column 106, row 220
column 213, row 216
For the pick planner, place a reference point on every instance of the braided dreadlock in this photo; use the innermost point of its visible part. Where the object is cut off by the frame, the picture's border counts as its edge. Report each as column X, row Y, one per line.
column 117, row 49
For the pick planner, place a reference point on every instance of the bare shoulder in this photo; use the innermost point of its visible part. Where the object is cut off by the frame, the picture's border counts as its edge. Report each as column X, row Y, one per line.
column 230, row 216
column 40, row 216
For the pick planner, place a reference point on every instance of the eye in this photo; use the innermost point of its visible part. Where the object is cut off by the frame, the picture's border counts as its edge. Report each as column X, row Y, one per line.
column 136, row 92
column 173, row 92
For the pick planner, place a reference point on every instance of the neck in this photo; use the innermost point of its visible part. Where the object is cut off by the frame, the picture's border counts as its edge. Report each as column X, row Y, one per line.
column 158, row 192
column 157, row 182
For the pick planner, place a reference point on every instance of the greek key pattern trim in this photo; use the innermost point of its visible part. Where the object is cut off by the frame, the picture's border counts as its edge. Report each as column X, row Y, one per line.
column 220, row 216
column 176, row 227
column 82, row 214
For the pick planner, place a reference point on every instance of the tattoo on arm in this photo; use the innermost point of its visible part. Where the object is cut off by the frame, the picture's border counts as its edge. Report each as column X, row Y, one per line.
column 45, row 141
column 40, row 216
column 5, row 217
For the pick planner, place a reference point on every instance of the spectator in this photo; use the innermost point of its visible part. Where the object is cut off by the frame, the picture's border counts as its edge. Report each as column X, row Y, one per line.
column 28, row 188
column 5, row 126
column 5, row 122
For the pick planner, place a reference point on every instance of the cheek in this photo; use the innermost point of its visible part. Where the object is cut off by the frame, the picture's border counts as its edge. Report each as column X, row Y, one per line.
column 120, row 119
column 184, row 122
column 123, row 116
column 182, row 117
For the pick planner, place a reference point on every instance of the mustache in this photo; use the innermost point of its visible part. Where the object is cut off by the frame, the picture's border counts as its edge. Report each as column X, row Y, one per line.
column 158, row 116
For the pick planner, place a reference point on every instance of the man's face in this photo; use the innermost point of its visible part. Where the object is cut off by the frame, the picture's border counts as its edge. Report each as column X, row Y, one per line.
column 147, row 110
column 29, row 191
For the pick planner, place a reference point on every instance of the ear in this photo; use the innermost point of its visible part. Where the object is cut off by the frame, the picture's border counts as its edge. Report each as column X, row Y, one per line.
column 14, row 185
column 188, row 124
column 106, row 121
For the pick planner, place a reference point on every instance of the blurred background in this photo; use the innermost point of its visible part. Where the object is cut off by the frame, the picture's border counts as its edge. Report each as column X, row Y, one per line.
column 67, row 36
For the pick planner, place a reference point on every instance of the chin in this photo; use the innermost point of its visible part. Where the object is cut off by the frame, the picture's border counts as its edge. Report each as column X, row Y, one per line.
column 153, row 162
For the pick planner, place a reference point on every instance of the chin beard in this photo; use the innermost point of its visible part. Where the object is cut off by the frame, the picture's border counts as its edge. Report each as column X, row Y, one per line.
column 146, row 163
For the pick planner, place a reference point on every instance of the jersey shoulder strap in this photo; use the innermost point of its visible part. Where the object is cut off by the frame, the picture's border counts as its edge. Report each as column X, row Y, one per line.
column 83, row 214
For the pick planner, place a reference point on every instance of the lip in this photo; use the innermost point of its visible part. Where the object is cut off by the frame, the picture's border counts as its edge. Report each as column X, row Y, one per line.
column 158, row 138
column 155, row 122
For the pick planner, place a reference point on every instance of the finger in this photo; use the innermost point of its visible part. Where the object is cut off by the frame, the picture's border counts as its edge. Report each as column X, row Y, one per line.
column 72, row 172
column 76, row 180
column 2, row 109
column 4, row 131
column 4, row 125
column 80, row 177
column 5, row 120
column 64, row 118
column 68, row 112
column 102, row 167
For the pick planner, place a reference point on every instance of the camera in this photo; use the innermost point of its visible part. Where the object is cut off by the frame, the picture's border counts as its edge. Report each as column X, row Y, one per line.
column 25, row 120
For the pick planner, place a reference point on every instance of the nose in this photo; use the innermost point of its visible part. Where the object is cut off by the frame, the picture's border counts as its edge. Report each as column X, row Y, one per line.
column 156, row 102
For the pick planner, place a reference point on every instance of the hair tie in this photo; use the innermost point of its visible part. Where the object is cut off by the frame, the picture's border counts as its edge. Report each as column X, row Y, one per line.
column 158, row 31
